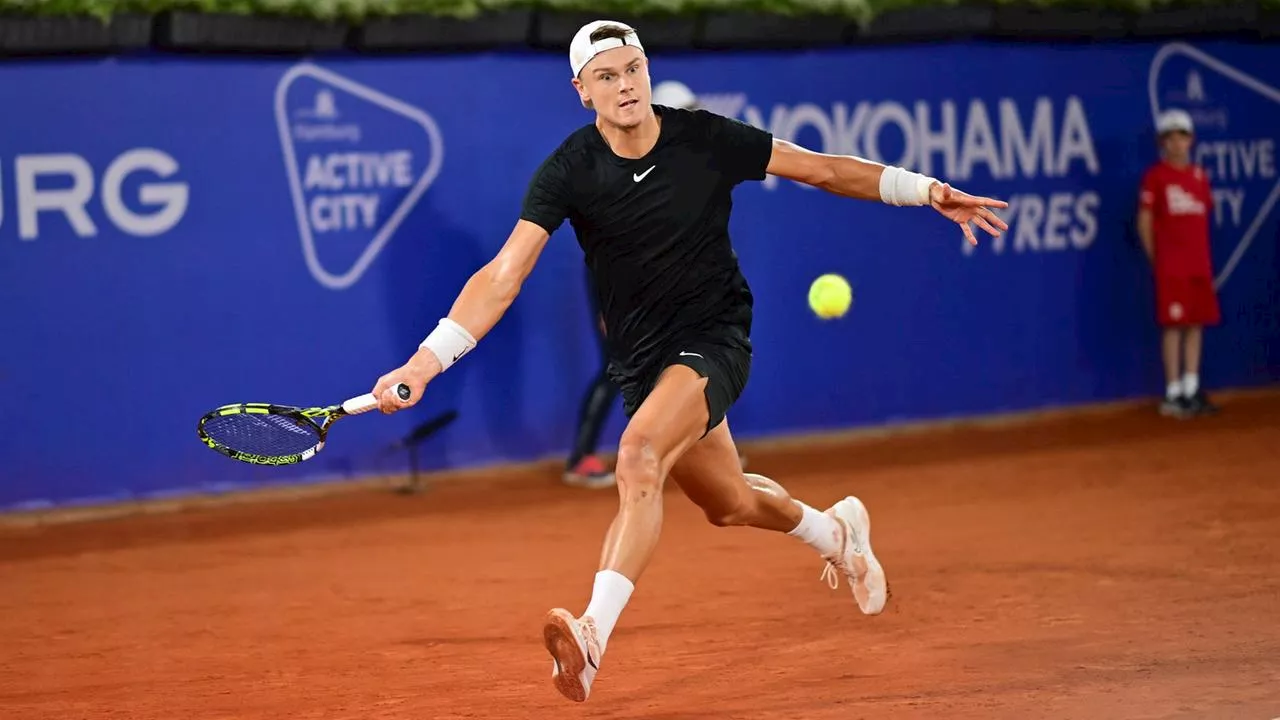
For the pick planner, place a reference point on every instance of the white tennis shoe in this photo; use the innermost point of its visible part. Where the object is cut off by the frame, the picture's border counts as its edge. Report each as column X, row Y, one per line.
column 855, row 559
column 575, row 652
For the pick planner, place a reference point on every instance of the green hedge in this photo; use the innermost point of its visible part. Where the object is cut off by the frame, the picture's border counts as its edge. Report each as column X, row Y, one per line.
column 356, row 10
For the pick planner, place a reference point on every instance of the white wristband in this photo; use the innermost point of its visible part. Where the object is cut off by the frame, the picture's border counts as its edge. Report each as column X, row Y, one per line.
column 448, row 342
column 903, row 187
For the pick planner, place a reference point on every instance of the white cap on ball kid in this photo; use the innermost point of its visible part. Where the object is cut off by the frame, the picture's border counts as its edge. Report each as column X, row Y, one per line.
column 581, row 50
column 1175, row 121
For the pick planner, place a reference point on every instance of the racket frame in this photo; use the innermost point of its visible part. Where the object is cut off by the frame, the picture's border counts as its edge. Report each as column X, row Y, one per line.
column 321, row 418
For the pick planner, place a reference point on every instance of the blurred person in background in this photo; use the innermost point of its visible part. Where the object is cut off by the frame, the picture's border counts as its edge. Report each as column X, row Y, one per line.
column 583, row 467
column 1173, row 223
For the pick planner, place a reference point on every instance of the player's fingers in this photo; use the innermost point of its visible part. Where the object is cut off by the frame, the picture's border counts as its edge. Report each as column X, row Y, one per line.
column 968, row 233
column 978, row 201
column 993, row 218
column 982, row 223
column 983, row 202
column 387, row 400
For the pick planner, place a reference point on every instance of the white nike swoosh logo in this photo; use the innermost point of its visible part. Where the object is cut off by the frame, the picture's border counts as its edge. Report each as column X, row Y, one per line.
column 640, row 176
column 692, row 354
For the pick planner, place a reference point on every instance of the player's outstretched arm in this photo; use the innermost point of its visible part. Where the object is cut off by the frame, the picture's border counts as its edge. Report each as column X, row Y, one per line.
column 481, row 304
column 866, row 180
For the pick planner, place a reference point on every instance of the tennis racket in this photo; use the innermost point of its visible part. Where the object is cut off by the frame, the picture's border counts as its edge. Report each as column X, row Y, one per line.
column 269, row 434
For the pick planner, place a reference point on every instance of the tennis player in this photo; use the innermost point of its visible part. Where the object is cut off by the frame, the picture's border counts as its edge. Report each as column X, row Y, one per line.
column 647, row 190
column 583, row 468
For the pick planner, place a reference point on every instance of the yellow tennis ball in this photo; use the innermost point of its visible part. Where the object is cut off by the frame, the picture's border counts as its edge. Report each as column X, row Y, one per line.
column 830, row 296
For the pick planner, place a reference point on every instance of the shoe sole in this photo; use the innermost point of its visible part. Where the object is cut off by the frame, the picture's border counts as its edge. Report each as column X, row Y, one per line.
column 861, row 589
column 570, row 659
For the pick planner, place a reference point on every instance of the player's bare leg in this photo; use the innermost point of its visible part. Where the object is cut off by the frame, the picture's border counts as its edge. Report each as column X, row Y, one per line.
column 668, row 423
column 710, row 475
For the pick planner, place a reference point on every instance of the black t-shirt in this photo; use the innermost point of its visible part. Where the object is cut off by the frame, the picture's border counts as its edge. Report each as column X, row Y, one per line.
column 655, row 230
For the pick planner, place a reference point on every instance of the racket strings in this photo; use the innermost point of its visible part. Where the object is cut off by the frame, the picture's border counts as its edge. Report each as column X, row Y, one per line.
column 267, row 435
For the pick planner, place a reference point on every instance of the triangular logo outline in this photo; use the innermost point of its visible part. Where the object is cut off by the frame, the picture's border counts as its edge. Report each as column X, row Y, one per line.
column 388, row 229
column 1245, row 80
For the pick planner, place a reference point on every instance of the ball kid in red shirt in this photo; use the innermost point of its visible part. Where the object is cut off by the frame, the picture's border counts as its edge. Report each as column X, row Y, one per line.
column 1173, row 221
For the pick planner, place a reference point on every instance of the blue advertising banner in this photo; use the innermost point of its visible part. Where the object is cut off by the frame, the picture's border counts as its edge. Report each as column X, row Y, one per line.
column 181, row 233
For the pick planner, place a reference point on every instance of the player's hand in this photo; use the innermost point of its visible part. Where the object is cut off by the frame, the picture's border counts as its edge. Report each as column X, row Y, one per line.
column 420, row 370
column 963, row 208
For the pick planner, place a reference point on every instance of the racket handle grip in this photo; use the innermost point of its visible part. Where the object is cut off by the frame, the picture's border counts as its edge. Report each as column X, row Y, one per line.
column 369, row 401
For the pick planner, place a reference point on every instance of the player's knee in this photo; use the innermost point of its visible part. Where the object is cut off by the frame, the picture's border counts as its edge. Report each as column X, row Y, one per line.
column 639, row 468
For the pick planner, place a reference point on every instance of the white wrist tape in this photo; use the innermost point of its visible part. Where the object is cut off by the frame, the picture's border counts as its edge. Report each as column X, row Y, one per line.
column 903, row 187
column 448, row 342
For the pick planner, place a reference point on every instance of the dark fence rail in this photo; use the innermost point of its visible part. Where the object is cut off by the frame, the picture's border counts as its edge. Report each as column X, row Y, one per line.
column 364, row 26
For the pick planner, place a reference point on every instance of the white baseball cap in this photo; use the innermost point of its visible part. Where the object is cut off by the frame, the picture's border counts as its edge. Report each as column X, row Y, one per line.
column 581, row 50
column 1173, row 121
column 674, row 93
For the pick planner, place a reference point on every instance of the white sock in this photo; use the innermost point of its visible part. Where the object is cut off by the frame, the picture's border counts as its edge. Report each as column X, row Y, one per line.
column 610, row 594
column 818, row 530
column 1190, row 384
column 1173, row 390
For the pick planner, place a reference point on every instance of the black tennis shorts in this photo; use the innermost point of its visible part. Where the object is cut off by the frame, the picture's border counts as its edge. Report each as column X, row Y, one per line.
column 722, row 356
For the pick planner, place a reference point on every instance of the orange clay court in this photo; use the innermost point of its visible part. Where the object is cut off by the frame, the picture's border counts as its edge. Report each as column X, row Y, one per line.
column 1112, row 564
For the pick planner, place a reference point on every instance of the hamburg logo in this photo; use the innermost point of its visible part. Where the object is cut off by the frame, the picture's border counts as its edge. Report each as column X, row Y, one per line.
column 357, row 161
column 1235, row 117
